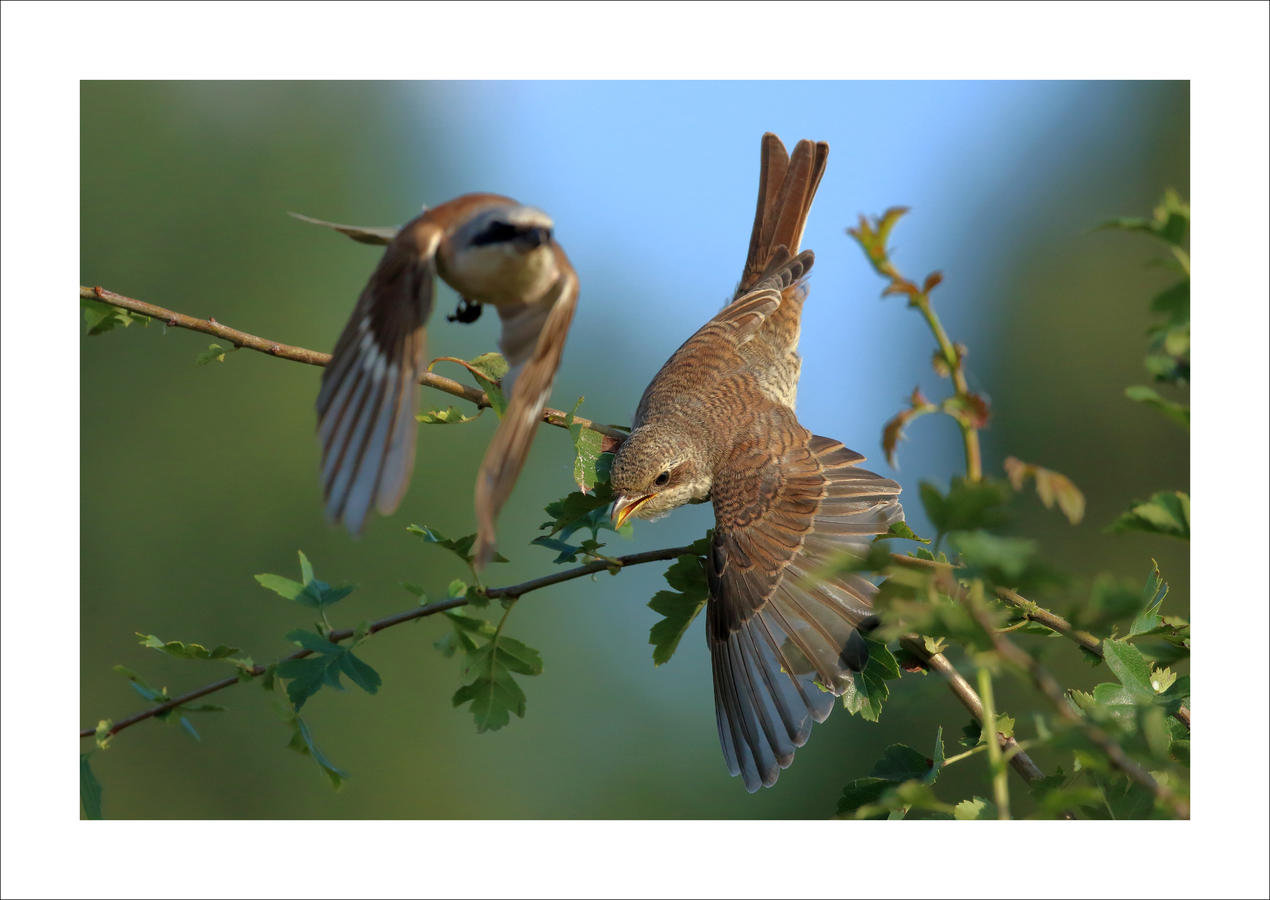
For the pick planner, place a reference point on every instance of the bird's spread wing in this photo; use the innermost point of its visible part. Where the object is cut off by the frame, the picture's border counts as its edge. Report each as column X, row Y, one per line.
column 375, row 235
column 777, row 629
column 532, row 341
column 370, row 389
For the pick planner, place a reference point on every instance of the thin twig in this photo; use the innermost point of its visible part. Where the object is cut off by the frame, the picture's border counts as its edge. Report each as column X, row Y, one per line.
column 937, row 662
column 1053, row 691
column 612, row 564
column 1034, row 612
column 314, row 357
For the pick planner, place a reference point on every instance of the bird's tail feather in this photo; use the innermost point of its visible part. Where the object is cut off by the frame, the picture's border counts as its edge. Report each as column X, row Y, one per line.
column 787, row 185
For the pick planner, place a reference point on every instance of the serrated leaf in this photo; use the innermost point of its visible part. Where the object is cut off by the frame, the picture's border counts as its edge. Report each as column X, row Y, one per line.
column 866, row 692
column 518, row 657
column 901, row 530
column 283, row 587
column 590, row 511
column 182, row 650
column 1051, row 486
column 862, row 792
column 900, row 763
column 302, row 742
column 565, row 552
column 1153, row 593
column 489, row 368
column 448, row 416
column 969, row 505
column 307, row 676
column 491, row 688
column 1005, row 561
column 100, row 317
column 975, row 808
column 1177, row 412
column 680, row 606
column 89, row 789
column 586, row 443
column 460, row 547
column 1129, row 666
column 1167, row 513
column 359, row 672
column 213, row 353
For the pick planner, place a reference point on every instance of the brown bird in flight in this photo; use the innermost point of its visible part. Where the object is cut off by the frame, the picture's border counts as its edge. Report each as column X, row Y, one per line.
column 717, row 422
column 490, row 249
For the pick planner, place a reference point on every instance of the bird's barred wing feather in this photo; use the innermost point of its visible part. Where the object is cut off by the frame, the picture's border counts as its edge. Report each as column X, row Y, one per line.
column 370, row 389
column 532, row 342
column 777, row 628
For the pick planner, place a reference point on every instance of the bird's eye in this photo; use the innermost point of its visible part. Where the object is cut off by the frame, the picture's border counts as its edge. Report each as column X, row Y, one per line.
column 662, row 479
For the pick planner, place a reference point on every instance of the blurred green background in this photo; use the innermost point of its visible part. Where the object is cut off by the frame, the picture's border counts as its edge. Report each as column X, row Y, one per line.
column 195, row 478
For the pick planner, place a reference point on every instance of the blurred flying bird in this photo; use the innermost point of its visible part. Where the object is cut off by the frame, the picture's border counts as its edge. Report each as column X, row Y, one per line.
column 717, row 422
column 492, row 250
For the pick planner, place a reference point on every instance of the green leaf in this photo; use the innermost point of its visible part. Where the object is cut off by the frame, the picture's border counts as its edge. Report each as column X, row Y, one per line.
column 89, row 789
column 1125, row 799
column 488, row 369
column 862, row 792
column 1153, row 592
column 1005, row 561
column 590, row 511
column 969, row 505
column 213, row 353
column 283, row 587
column 101, row 317
column 900, row 763
column 1170, row 220
column 901, row 530
column 679, row 606
column 447, row 416
column 867, row 690
column 359, row 672
column 1129, row 665
column 565, row 552
column 519, row 657
column 975, row 808
column 587, row 444
column 302, row 742
column 189, row 729
column 182, row 650
column 460, row 547
column 491, row 688
column 1178, row 412
column 1167, row 512
column 306, row 676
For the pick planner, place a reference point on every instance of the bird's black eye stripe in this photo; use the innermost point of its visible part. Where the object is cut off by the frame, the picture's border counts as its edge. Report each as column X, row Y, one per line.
column 495, row 233
column 661, row 479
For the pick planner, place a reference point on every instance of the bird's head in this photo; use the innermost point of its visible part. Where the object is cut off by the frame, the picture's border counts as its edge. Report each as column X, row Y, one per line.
column 657, row 469
column 500, row 252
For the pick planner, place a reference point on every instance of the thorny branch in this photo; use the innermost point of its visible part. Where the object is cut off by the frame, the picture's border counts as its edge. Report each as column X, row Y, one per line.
column 514, row 591
column 315, row 357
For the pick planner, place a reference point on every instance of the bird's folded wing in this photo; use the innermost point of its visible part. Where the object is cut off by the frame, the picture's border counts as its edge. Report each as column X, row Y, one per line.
column 779, row 630
column 533, row 342
column 370, row 389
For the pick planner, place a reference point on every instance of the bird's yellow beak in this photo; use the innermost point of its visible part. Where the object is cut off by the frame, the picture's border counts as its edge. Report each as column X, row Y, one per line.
column 624, row 507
